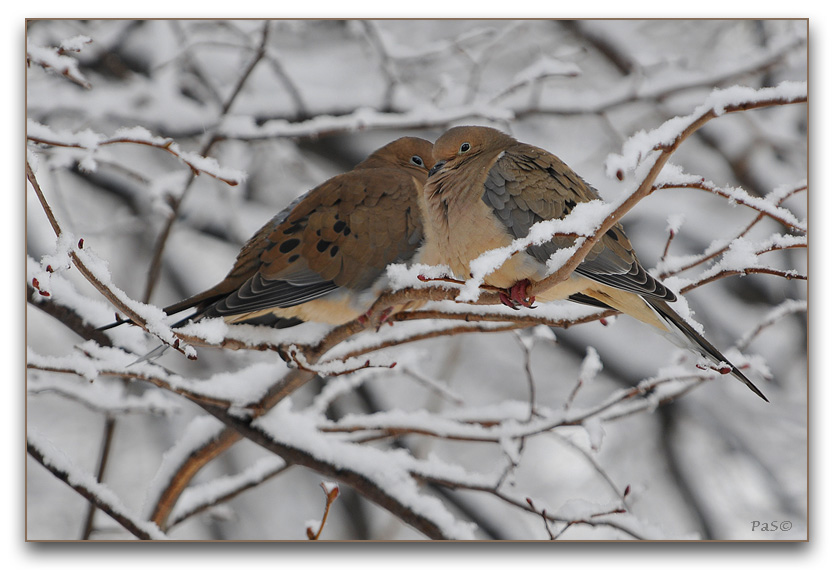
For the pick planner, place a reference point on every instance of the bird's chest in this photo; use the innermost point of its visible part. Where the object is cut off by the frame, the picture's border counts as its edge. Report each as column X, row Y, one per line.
column 463, row 229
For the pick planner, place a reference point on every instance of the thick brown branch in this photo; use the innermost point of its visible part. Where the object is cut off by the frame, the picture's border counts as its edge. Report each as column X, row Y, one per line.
column 177, row 484
column 201, row 507
column 225, row 440
column 350, row 477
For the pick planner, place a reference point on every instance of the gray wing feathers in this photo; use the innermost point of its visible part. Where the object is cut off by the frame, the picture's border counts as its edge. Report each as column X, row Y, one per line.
column 259, row 293
column 503, row 193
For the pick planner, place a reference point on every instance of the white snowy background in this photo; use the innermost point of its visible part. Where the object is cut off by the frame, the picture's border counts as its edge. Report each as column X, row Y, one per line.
column 325, row 94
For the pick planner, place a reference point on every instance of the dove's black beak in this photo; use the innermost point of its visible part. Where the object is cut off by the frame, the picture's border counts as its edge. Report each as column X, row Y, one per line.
column 437, row 167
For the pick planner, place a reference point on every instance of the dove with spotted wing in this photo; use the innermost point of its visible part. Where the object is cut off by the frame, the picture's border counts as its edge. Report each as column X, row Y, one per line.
column 323, row 258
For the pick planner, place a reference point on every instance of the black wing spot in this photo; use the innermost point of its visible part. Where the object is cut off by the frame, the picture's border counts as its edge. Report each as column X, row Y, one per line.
column 339, row 226
column 289, row 245
column 322, row 245
column 347, row 231
column 613, row 235
column 333, row 251
column 293, row 258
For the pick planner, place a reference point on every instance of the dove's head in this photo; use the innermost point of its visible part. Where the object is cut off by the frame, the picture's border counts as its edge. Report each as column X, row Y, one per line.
column 411, row 154
column 462, row 145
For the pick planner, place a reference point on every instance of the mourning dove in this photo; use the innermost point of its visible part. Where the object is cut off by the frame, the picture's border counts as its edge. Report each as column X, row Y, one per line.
column 320, row 258
column 488, row 189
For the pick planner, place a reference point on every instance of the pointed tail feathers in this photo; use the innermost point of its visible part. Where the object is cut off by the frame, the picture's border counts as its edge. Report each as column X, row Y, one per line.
column 680, row 329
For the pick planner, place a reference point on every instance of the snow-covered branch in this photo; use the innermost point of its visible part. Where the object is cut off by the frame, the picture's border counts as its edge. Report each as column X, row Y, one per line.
column 647, row 153
column 91, row 142
column 44, row 452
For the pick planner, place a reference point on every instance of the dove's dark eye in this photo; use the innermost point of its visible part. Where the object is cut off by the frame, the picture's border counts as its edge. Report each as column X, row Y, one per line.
column 417, row 160
column 465, row 147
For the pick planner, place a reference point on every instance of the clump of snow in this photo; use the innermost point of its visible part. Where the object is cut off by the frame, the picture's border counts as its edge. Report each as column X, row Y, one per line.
column 52, row 60
column 740, row 255
column 591, row 366
column 241, row 387
column 76, row 43
column 595, row 430
column 674, row 223
column 212, row 330
column 406, row 275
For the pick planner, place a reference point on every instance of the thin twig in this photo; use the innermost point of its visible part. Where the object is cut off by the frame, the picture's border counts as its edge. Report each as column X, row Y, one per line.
column 106, row 440
column 330, row 496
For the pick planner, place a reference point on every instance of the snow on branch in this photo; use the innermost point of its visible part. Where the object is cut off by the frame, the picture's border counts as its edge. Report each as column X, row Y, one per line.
column 55, row 60
column 201, row 497
column 670, row 265
column 92, row 142
column 646, row 154
column 362, row 119
column 52, row 458
column 673, row 177
column 666, row 138
column 103, row 398
column 71, row 250
column 786, row 308
column 90, row 361
column 294, row 438
column 390, row 471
